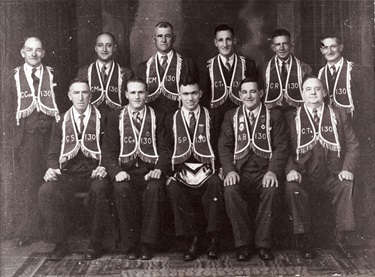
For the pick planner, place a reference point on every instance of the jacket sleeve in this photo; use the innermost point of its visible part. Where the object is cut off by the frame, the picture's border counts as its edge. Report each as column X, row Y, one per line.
column 54, row 149
column 164, row 152
column 251, row 69
column 127, row 74
column 169, row 139
column 226, row 144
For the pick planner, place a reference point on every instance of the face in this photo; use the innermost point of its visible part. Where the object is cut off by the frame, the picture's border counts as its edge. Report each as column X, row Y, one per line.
column 225, row 42
column 33, row 52
column 105, row 47
column 164, row 39
column 80, row 95
column 313, row 92
column 250, row 95
column 137, row 95
column 331, row 50
column 282, row 46
column 190, row 96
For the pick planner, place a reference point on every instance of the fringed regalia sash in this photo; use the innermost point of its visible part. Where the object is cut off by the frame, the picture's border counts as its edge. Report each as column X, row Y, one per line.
column 341, row 93
column 259, row 140
column 134, row 145
column 43, row 100
column 275, row 93
column 308, row 136
column 219, row 88
column 167, row 84
column 200, row 146
column 109, row 91
column 88, row 143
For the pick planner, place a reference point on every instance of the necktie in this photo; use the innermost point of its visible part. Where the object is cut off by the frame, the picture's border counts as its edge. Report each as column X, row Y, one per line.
column 103, row 74
column 251, row 119
column 227, row 64
column 333, row 72
column 283, row 73
column 81, row 124
column 192, row 123
column 35, row 81
column 163, row 61
column 315, row 116
column 137, row 121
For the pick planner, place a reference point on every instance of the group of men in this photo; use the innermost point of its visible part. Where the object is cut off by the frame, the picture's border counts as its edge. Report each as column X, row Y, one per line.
column 151, row 143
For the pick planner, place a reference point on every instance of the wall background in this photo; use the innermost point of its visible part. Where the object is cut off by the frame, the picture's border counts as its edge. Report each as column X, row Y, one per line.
column 68, row 28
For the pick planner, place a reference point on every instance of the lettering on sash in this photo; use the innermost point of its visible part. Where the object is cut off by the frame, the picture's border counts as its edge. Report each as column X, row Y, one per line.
column 95, row 88
column 129, row 140
column 152, row 79
column 274, row 85
column 293, row 86
column 182, row 139
column 219, row 84
column 25, row 94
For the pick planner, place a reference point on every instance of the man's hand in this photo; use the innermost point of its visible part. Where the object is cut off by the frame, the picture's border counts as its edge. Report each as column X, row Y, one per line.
column 51, row 174
column 294, row 176
column 121, row 176
column 153, row 174
column 99, row 172
column 270, row 180
column 346, row 175
column 231, row 179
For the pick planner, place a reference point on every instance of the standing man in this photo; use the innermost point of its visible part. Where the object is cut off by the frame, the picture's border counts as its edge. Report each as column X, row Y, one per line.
column 30, row 109
column 164, row 70
column 106, row 78
column 137, row 162
column 74, row 166
column 195, row 190
column 253, row 150
column 282, row 75
column 225, row 72
column 324, row 155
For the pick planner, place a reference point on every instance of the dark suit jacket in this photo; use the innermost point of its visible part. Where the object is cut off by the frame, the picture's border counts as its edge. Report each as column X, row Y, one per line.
column 279, row 144
column 348, row 141
column 162, row 103
column 111, row 145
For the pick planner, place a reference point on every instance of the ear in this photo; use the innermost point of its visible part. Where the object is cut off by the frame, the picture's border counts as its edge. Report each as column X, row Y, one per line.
column 261, row 93
column 154, row 39
column 273, row 47
column 200, row 93
column 215, row 42
column 174, row 39
column 23, row 53
column 341, row 47
column 234, row 40
column 127, row 94
column 43, row 53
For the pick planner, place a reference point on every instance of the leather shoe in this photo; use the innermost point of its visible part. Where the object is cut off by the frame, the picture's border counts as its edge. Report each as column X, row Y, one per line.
column 60, row 251
column 265, row 254
column 213, row 248
column 94, row 251
column 243, row 253
column 343, row 252
column 133, row 253
column 146, row 253
column 192, row 252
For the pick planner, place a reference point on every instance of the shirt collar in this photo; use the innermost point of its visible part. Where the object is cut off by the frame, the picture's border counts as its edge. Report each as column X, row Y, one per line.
column 319, row 110
column 186, row 112
column 224, row 59
column 338, row 64
column 254, row 111
column 169, row 55
column 87, row 112
column 141, row 112
column 29, row 69
column 280, row 62
column 108, row 65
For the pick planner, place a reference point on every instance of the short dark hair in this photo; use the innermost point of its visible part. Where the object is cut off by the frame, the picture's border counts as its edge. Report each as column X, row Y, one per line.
column 188, row 80
column 251, row 79
column 281, row 32
column 79, row 80
column 164, row 24
column 223, row 27
column 136, row 79
column 106, row 33
column 26, row 38
column 331, row 34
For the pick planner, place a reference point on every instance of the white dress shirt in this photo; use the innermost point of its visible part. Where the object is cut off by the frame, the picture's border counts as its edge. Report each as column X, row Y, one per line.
column 28, row 72
column 77, row 120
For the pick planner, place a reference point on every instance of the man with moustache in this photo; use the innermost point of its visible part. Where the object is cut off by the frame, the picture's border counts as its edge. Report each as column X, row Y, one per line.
column 106, row 78
column 164, row 70
column 195, row 189
column 282, row 75
column 74, row 166
column 137, row 161
column 253, row 150
column 323, row 158
column 30, row 109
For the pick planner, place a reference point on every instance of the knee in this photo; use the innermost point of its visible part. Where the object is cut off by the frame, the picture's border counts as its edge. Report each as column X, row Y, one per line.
column 231, row 191
column 46, row 190
column 121, row 189
column 292, row 187
column 154, row 186
column 346, row 186
column 270, row 191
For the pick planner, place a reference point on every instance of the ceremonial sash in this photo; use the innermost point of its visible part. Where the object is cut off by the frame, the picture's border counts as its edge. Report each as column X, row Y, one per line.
column 341, row 92
column 275, row 93
column 134, row 145
column 167, row 84
column 219, row 88
column 307, row 135
column 259, row 140
column 200, row 146
column 43, row 100
column 89, row 141
column 109, row 91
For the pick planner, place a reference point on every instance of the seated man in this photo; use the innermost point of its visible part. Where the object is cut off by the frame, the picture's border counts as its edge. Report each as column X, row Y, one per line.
column 74, row 166
column 253, row 150
column 324, row 155
column 136, row 159
column 195, row 190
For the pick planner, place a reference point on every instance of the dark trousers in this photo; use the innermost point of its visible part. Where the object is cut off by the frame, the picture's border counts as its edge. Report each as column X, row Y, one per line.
column 246, row 199
column 196, row 208
column 31, row 166
column 300, row 196
column 55, row 198
column 139, row 205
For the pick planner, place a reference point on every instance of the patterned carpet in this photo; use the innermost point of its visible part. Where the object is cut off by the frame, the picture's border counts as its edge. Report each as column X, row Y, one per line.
column 286, row 263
